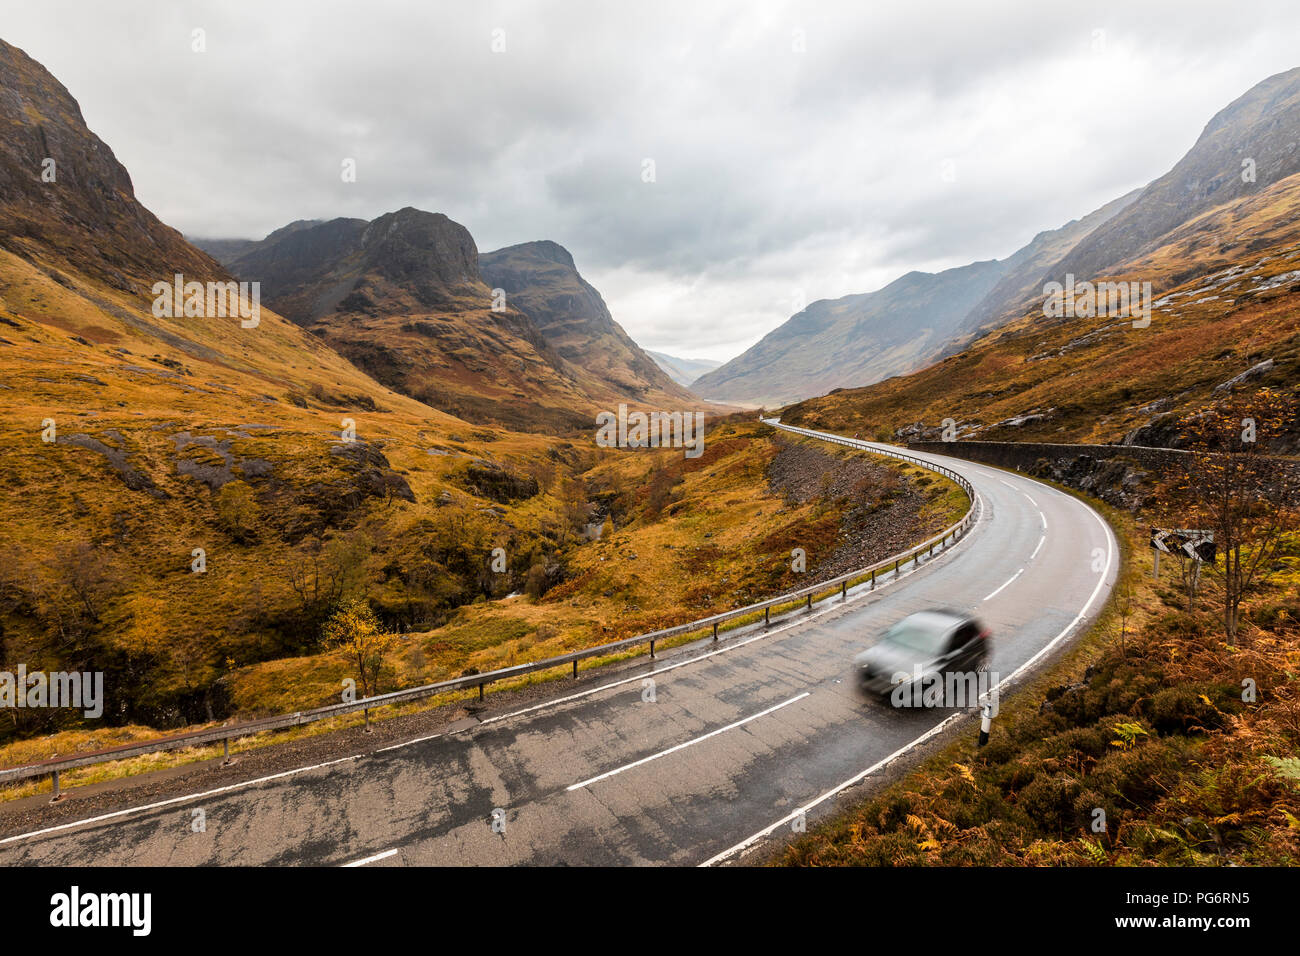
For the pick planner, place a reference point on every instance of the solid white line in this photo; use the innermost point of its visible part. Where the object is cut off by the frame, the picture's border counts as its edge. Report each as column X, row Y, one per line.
column 999, row 590
column 1101, row 582
column 1039, row 548
column 664, row 753
column 745, row 844
column 175, row 800
column 407, row 743
column 371, row 859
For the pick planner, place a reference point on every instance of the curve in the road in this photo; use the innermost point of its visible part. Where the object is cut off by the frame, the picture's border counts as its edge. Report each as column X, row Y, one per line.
column 694, row 760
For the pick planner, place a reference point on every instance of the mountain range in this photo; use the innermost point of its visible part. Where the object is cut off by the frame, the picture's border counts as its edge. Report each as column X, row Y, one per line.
column 515, row 336
column 858, row 340
column 1218, row 239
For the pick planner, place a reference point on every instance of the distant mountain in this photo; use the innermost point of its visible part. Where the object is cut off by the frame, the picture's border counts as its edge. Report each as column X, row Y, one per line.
column 540, row 278
column 853, row 340
column 1026, row 270
column 1259, row 130
column 866, row 338
column 402, row 297
column 683, row 371
column 1248, row 146
column 1223, row 258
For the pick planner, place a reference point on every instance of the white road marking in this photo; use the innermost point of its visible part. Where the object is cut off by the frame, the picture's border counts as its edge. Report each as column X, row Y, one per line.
column 999, row 590
column 937, row 728
column 371, row 859
column 664, row 753
column 1039, row 548
column 175, row 800
column 407, row 743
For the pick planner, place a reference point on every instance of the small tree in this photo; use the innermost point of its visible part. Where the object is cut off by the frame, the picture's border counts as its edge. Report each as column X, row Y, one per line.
column 354, row 629
column 237, row 510
column 1231, row 485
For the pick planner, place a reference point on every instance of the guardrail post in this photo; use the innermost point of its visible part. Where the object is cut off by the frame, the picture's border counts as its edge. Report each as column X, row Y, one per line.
column 225, row 752
column 767, row 615
column 715, row 630
column 575, row 670
column 873, row 579
column 810, row 602
column 480, row 691
column 58, row 795
column 896, row 563
column 367, row 714
column 844, row 590
column 652, row 650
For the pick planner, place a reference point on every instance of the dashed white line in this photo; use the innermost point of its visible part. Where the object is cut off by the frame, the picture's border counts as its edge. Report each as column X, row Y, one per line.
column 664, row 753
column 939, row 727
column 1039, row 548
column 999, row 590
column 372, row 859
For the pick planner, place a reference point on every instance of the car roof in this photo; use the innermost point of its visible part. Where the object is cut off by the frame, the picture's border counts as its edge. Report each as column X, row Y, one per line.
column 937, row 618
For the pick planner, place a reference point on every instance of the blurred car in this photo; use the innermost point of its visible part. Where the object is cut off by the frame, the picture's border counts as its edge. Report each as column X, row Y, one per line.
column 921, row 645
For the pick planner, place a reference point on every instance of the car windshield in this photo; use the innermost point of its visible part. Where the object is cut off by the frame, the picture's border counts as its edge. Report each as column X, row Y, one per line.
column 917, row 636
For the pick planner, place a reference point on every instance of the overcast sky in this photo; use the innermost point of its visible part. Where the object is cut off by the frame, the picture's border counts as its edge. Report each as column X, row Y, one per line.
column 800, row 150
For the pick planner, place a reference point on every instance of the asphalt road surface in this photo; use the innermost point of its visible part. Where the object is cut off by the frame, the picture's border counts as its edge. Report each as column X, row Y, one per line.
column 734, row 743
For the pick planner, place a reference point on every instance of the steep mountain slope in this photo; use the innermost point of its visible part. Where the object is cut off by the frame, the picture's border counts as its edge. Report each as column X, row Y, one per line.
column 59, row 182
column 1258, row 129
column 1026, row 269
column 854, row 340
column 683, row 371
column 542, row 280
column 1229, row 286
column 1222, row 255
column 914, row 321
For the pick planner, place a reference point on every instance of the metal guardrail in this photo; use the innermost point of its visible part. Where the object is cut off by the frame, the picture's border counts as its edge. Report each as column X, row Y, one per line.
column 229, row 732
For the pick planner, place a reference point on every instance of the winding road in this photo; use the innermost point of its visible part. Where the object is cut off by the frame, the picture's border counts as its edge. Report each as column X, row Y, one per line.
column 733, row 743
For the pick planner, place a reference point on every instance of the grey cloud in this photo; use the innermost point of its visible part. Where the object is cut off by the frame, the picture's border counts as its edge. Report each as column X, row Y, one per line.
column 776, row 169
